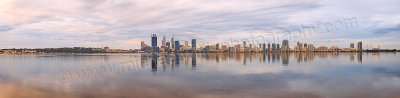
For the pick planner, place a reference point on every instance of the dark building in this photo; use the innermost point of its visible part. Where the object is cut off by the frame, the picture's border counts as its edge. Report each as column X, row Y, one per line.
column 351, row 45
column 194, row 44
column 263, row 47
column 285, row 45
column 273, row 47
column 168, row 45
column 269, row 47
column 359, row 46
column 177, row 46
column 154, row 42
column 278, row 47
column 217, row 46
column 154, row 63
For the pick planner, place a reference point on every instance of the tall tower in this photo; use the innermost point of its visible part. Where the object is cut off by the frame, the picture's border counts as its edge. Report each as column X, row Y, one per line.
column 142, row 45
column 153, row 40
column 173, row 42
column 194, row 44
column 244, row 44
column 177, row 46
column 263, row 47
column 359, row 46
column 351, row 45
column 164, row 42
column 186, row 43
column 273, row 47
column 285, row 45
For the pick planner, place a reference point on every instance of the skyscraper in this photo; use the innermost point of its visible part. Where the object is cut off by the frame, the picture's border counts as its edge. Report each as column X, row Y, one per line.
column 172, row 42
column 154, row 42
column 194, row 44
column 163, row 42
column 186, row 43
column 351, row 45
column 244, row 44
column 168, row 45
column 278, row 47
column 285, row 45
column 177, row 46
column 217, row 46
column 359, row 46
column 142, row 45
column 263, row 47
column 299, row 46
column 269, row 47
column 273, row 47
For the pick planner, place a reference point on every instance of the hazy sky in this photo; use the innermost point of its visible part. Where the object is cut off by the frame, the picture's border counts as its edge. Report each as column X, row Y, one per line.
column 124, row 23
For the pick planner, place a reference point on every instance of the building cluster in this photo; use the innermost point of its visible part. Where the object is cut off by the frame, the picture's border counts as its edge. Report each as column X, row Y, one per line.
column 174, row 46
column 65, row 50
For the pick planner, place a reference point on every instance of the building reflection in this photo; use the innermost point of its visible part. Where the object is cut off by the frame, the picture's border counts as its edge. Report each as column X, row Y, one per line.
column 359, row 57
column 194, row 60
column 154, row 62
column 282, row 58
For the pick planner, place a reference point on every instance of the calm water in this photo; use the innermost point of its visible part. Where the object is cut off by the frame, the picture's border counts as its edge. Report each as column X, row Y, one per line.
column 294, row 75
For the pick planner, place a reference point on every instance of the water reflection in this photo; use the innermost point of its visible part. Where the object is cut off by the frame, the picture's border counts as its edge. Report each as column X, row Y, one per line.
column 244, row 58
column 212, row 75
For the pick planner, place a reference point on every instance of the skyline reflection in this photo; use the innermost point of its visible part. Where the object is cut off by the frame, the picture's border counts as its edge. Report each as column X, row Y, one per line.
column 197, row 75
column 243, row 58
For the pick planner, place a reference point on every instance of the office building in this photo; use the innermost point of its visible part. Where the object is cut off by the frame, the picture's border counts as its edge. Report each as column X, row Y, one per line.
column 154, row 40
column 359, row 46
column 172, row 42
column 351, row 45
column 194, row 44
column 263, row 47
column 285, row 45
column 163, row 42
column 177, row 46
column 273, row 47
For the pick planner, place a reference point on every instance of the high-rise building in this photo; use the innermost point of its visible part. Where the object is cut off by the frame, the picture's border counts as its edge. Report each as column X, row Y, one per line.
column 194, row 44
column 142, row 45
column 305, row 45
column 244, row 44
column 278, row 47
column 310, row 48
column 177, row 46
column 273, row 47
column 285, row 45
column 359, row 46
column 172, row 42
column 263, row 47
column 164, row 42
column 217, row 46
column 168, row 45
column 154, row 43
column 269, row 47
column 186, row 43
column 299, row 46
column 154, row 40
column 351, row 45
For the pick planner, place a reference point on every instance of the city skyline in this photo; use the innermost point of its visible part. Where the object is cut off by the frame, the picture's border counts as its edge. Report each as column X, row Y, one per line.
column 125, row 23
column 285, row 46
column 246, row 47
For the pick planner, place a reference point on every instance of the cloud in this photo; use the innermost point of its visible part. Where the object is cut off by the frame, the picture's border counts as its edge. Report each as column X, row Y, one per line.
column 210, row 21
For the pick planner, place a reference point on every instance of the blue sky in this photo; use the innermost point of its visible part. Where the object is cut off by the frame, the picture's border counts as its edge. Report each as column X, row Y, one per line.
column 124, row 23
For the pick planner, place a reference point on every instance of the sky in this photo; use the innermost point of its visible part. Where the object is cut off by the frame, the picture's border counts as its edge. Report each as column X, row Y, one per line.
column 124, row 24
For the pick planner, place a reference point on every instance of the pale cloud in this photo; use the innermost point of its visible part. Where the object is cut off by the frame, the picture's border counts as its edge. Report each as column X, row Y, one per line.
column 124, row 23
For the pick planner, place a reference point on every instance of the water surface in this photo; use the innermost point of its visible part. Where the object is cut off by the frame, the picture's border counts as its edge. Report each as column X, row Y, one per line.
column 211, row 75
